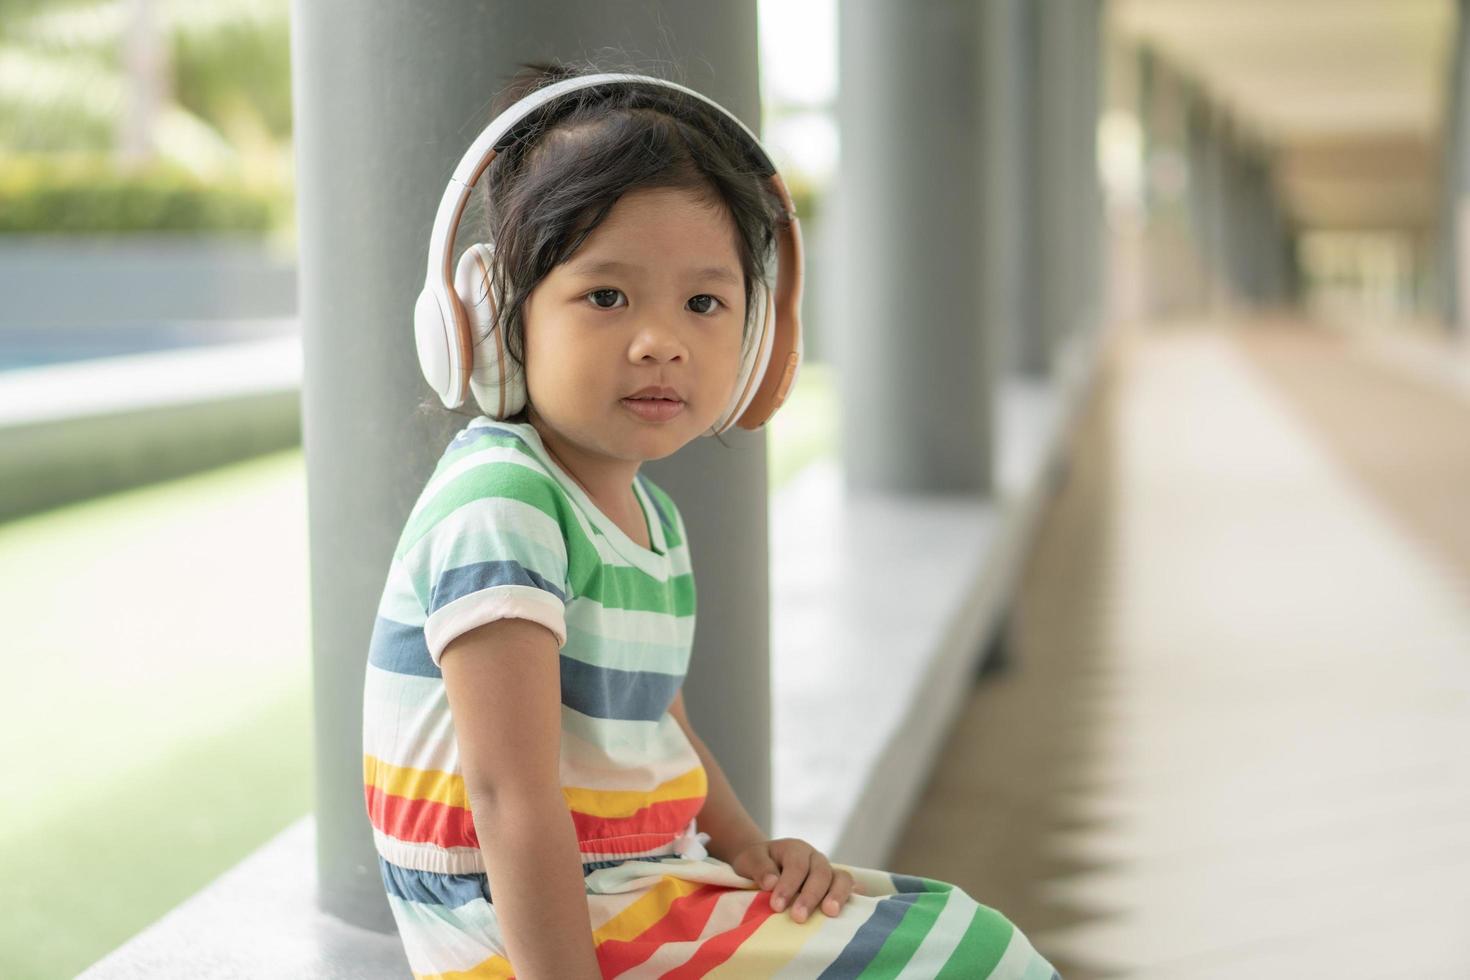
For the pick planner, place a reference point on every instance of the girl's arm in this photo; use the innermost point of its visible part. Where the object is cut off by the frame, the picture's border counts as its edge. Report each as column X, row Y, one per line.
column 731, row 829
column 504, row 688
column 790, row 868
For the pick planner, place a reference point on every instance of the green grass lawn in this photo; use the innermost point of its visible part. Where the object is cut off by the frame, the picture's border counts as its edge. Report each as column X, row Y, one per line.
column 159, row 696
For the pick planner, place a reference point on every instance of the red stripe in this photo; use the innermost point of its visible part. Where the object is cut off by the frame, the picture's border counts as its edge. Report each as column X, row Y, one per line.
column 431, row 822
column 684, row 920
column 421, row 821
column 722, row 946
column 666, row 817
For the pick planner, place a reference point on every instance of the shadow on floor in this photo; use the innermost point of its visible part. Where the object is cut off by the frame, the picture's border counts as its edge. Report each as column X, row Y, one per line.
column 1001, row 786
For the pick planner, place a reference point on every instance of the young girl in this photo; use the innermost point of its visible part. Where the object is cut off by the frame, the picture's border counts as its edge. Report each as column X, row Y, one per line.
column 532, row 778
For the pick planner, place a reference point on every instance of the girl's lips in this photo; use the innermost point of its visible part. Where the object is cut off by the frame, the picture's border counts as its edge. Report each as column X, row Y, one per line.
column 654, row 409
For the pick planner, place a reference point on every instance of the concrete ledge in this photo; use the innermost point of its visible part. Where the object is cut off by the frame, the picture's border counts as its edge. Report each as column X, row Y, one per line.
column 887, row 601
column 883, row 607
column 72, row 432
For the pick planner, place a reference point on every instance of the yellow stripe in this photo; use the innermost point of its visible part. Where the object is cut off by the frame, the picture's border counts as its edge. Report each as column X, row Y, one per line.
column 780, row 939
column 626, row 802
column 495, row 968
column 627, row 924
column 448, row 788
column 415, row 784
column 654, row 905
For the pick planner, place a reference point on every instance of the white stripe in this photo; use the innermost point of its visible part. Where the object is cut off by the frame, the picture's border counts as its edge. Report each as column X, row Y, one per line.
column 596, row 753
column 406, row 721
column 603, row 909
column 587, row 765
column 481, row 457
column 434, row 941
column 942, row 938
column 628, row 625
column 607, row 554
column 429, row 857
column 399, row 602
column 627, row 741
column 488, row 605
column 490, row 529
column 728, row 912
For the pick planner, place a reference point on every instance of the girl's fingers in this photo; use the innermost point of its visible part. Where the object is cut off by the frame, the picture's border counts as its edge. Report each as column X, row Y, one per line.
column 818, row 879
column 839, row 893
column 793, row 873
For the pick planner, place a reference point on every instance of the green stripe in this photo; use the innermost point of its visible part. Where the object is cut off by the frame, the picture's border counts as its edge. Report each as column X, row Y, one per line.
column 612, row 586
column 981, row 947
column 903, row 942
column 496, row 478
column 624, row 587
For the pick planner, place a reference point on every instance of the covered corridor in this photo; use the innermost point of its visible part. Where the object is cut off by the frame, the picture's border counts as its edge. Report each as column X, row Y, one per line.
column 1231, row 739
column 1183, row 300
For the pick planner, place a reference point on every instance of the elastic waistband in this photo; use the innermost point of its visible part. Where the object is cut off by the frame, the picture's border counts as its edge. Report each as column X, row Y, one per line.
column 597, row 853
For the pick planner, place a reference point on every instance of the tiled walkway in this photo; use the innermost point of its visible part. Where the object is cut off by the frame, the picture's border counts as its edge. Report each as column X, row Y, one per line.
column 1235, row 739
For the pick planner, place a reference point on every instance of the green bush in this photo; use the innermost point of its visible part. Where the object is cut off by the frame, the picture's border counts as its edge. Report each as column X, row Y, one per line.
column 52, row 195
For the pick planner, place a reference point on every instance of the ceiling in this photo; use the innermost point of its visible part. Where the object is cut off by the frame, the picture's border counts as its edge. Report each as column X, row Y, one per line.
column 1350, row 93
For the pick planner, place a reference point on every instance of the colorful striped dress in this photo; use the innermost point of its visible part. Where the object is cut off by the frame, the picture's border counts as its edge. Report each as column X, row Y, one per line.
column 501, row 530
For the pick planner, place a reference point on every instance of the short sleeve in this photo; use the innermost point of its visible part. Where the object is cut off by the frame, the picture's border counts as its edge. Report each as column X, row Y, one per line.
column 489, row 545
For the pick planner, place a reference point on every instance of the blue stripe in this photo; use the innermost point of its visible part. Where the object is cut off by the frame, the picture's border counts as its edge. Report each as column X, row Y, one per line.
column 433, row 887
column 607, row 692
column 456, row 583
column 466, row 438
column 401, row 649
column 916, row 883
column 600, row 692
column 870, row 937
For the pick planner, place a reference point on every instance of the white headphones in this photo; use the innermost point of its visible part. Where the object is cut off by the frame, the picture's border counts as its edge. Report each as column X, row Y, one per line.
column 459, row 349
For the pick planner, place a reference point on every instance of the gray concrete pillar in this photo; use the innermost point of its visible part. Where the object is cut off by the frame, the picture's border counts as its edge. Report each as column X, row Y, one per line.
column 1030, row 352
column 1055, row 193
column 1174, row 276
column 1209, row 145
column 1454, row 224
column 387, row 98
column 915, row 361
column 1005, row 225
column 1204, row 215
column 1090, row 226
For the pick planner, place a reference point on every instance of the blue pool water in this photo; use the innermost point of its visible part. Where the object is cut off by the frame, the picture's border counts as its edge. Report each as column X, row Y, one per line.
column 25, row 347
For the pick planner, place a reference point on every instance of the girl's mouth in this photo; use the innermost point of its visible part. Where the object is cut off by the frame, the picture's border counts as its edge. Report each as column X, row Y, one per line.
column 654, row 409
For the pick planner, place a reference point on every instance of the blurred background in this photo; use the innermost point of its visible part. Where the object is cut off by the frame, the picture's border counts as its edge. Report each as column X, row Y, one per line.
column 1229, row 738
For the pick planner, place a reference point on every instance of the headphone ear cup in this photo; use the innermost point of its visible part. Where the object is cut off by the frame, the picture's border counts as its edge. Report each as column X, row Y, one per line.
column 497, row 381
column 754, row 354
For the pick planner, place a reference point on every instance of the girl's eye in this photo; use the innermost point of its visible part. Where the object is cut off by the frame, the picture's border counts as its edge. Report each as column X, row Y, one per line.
column 605, row 299
column 603, row 292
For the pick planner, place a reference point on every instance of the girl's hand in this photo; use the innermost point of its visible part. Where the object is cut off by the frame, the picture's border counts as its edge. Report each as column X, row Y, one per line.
column 787, row 864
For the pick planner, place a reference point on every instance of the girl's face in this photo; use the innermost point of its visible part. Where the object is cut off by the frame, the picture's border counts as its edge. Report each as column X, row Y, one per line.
column 653, row 296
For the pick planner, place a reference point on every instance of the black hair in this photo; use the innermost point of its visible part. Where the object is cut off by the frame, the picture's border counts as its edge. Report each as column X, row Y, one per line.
column 565, row 167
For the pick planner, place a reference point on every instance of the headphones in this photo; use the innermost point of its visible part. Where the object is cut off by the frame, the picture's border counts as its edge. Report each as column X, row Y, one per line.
column 460, row 348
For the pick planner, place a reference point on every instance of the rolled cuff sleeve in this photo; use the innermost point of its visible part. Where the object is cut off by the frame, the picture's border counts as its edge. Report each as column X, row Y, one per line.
column 486, row 606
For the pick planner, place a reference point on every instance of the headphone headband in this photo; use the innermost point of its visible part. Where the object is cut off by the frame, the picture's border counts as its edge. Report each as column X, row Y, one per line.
column 441, row 323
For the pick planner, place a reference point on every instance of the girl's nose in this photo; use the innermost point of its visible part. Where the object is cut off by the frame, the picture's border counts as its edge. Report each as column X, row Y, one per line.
column 657, row 338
